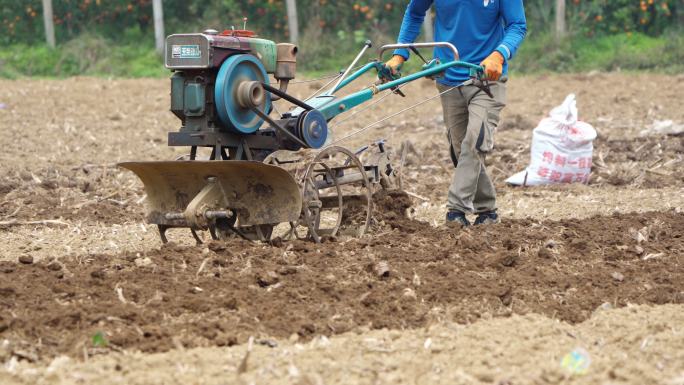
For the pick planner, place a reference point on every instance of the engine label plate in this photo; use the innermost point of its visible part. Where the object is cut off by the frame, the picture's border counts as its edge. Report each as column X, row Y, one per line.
column 188, row 51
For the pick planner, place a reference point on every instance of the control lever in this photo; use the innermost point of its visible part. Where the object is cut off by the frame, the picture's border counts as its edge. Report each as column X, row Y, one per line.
column 483, row 84
column 385, row 75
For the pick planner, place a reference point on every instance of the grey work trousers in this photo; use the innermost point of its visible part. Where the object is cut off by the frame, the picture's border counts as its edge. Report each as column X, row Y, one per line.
column 471, row 118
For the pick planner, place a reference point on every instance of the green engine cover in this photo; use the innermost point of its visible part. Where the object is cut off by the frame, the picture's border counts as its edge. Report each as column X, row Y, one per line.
column 265, row 50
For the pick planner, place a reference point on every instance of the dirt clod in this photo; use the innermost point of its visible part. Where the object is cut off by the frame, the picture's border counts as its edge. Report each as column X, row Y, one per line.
column 98, row 273
column 54, row 266
column 509, row 260
column 26, row 259
column 506, row 297
column 544, row 253
column 267, row 279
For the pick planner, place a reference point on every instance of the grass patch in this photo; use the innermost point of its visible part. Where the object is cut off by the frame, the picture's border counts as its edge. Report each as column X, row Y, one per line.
column 87, row 55
column 605, row 53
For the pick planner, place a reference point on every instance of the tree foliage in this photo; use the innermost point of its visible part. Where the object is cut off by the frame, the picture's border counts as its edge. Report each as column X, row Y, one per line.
column 602, row 17
column 115, row 19
column 111, row 18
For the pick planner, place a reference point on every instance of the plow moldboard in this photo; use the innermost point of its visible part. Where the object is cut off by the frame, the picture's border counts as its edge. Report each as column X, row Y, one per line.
column 259, row 193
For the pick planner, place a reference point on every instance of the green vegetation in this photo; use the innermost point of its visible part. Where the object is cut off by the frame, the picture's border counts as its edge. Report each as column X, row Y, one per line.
column 86, row 55
column 23, row 24
column 99, row 340
column 606, row 53
column 115, row 38
column 96, row 56
column 89, row 54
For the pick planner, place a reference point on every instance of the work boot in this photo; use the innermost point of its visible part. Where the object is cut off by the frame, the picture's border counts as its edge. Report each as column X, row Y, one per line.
column 457, row 217
column 486, row 218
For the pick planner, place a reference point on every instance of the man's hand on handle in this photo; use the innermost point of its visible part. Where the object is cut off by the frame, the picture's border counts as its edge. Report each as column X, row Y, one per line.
column 493, row 66
column 395, row 63
column 392, row 67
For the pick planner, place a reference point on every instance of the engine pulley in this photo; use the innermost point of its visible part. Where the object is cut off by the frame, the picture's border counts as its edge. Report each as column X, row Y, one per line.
column 312, row 128
column 237, row 90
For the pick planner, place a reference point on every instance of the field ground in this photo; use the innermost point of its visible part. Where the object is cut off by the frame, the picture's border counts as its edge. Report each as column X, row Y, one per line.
column 596, row 267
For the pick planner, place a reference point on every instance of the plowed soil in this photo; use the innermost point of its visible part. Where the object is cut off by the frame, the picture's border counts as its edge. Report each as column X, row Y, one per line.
column 86, row 287
column 229, row 291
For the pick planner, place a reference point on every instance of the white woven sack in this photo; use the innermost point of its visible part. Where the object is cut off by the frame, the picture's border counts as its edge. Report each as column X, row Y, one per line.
column 561, row 149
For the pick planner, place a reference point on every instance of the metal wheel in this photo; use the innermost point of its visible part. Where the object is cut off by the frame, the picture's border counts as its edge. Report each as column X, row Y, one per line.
column 336, row 192
column 379, row 163
column 335, row 184
column 312, row 204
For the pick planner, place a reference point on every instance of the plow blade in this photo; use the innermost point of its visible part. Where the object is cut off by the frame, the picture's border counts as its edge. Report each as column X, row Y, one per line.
column 256, row 192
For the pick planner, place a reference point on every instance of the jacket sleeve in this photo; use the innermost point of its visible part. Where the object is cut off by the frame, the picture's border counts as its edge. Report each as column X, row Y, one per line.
column 515, row 27
column 410, row 26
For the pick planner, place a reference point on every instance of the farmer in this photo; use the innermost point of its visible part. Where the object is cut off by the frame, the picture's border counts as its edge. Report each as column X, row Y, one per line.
column 486, row 32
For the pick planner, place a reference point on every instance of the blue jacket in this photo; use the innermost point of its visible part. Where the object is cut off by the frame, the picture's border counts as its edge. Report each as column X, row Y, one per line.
column 476, row 27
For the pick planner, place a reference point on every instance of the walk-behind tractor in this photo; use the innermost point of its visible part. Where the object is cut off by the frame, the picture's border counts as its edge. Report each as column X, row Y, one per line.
column 287, row 171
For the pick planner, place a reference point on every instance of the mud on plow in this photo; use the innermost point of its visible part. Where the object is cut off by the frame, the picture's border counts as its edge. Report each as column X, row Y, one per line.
column 306, row 190
column 269, row 176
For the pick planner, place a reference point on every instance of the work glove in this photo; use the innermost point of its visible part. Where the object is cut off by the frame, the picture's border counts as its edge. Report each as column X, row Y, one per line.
column 493, row 66
column 393, row 66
